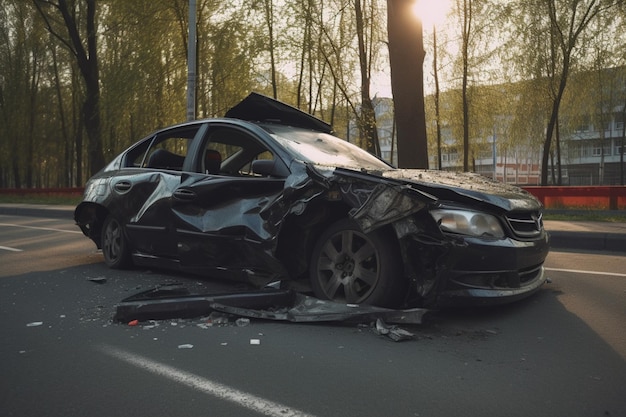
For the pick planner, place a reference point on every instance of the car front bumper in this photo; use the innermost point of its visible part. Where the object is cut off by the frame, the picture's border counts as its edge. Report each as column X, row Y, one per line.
column 491, row 296
column 475, row 271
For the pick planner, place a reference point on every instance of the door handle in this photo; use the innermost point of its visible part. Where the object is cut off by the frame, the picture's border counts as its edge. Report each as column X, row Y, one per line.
column 122, row 186
column 184, row 194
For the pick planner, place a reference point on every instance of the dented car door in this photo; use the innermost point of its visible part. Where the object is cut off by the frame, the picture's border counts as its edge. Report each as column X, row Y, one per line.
column 223, row 224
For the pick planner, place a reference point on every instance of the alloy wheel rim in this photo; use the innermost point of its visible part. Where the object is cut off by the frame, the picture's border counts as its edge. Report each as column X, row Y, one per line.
column 112, row 240
column 348, row 267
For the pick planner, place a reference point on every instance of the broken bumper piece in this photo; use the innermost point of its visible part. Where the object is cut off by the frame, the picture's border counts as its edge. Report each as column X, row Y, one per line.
column 269, row 304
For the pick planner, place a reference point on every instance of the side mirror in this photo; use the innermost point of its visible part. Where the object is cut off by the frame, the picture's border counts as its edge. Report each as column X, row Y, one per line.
column 263, row 167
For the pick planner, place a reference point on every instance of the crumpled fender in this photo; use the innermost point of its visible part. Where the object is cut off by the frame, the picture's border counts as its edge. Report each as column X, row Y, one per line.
column 375, row 201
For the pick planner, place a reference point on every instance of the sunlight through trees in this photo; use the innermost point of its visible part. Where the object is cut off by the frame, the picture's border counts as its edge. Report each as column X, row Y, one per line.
column 538, row 82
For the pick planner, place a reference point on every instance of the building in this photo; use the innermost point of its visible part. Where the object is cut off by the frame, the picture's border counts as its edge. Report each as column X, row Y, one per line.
column 591, row 141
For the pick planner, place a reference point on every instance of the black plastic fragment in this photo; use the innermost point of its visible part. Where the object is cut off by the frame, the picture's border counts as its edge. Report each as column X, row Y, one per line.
column 157, row 304
column 268, row 303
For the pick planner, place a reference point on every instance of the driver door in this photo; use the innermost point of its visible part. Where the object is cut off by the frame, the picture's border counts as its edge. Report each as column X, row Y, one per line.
column 227, row 221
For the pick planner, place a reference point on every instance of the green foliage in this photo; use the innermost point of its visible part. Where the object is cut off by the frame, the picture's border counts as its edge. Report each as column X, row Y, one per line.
column 311, row 58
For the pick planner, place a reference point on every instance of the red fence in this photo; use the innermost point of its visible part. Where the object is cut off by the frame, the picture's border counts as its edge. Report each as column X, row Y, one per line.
column 593, row 198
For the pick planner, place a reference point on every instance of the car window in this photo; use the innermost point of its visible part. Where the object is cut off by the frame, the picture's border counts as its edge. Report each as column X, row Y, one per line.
column 167, row 150
column 236, row 151
column 174, row 145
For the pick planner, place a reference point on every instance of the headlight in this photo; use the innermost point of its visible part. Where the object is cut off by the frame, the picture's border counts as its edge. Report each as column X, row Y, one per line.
column 469, row 223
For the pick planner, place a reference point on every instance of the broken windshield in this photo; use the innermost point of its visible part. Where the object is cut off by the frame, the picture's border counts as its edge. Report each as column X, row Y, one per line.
column 324, row 149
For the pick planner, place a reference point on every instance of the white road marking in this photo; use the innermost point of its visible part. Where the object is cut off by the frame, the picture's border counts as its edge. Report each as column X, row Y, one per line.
column 10, row 249
column 49, row 229
column 224, row 392
column 577, row 271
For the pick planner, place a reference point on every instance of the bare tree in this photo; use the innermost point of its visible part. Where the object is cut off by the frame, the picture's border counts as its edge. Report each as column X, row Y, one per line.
column 87, row 60
column 437, row 99
column 567, row 21
column 268, row 9
column 355, row 24
column 467, row 18
column 367, row 119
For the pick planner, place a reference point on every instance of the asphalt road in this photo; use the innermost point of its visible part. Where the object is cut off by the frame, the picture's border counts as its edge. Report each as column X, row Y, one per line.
column 560, row 353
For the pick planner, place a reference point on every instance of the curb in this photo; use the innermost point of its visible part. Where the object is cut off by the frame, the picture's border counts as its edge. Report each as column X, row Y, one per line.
column 559, row 239
column 593, row 241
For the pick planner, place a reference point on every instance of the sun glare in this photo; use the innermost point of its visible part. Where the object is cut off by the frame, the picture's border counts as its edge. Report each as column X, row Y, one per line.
column 431, row 12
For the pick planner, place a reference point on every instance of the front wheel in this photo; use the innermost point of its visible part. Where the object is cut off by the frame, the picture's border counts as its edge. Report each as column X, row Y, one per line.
column 350, row 266
column 114, row 245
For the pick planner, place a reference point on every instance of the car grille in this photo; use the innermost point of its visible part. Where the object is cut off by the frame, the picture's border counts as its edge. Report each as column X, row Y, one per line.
column 526, row 225
column 499, row 280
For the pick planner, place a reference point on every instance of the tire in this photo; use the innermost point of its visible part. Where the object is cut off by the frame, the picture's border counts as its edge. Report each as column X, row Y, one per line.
column 114, row 245
column 350, row 266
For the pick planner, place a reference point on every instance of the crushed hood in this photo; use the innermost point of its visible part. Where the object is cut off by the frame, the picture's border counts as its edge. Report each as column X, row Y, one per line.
column 444, row 184
column 259, row 108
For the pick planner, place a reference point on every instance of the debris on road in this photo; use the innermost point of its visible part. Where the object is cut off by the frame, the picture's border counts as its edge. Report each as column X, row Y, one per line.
column 393, row 332
column 242, row 322
column 168, row 302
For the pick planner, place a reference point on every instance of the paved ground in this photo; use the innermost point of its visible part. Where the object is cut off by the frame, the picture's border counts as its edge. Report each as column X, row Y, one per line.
column 579, row 235
column 561, row 352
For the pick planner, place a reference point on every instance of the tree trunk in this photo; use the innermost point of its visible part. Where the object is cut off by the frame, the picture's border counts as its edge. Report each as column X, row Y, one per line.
column 87, row 61
column 406, row 58
column 622, row 141
column 269, row 20
column 437, row 94
column 559, row 172
column 66, row 170
column 467, row 27
column 367, row 117
column 554, row 116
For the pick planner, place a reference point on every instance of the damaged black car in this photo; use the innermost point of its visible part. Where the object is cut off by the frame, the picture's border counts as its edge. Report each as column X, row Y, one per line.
column 268, row 194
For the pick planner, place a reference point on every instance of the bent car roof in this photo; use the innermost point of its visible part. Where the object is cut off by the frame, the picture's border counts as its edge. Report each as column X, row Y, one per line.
column 259, row 108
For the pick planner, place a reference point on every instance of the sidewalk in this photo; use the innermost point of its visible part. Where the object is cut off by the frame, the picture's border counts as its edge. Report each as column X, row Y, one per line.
column 595, row 236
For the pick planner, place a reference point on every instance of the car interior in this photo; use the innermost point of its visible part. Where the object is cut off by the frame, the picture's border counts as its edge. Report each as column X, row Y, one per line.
column 237, row 151
column 227, row 151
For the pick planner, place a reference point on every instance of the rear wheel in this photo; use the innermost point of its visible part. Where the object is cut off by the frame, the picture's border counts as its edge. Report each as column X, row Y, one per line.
column 350, row 266
column 114, row 244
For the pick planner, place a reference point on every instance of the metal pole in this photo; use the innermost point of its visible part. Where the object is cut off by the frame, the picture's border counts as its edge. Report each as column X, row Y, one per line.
column 191, row 63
